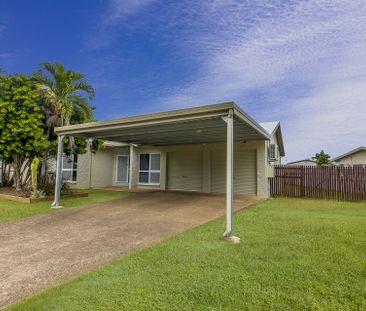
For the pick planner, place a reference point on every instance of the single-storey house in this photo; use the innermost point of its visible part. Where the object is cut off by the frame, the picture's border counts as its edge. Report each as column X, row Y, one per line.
column 354, row 157
column 211, row 149
column 304, row 162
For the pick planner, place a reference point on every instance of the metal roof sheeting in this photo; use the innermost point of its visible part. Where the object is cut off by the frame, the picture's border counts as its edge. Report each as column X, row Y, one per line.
column 202, row 124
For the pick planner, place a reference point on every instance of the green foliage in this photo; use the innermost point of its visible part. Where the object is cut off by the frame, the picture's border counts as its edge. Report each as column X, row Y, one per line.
column 30, row 109
column 47, row 184
column 63, row 88
column 322, row 159
column 21, row 119
column 38, row 193
column 65, row 104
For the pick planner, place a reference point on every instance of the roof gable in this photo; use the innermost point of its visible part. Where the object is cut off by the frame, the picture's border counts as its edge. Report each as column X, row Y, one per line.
column 353, row 151
column 270, row 127
column 303, row 160
column 274, row 128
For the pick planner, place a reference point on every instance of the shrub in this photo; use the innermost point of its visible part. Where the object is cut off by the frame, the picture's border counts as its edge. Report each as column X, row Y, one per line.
column 47, row 184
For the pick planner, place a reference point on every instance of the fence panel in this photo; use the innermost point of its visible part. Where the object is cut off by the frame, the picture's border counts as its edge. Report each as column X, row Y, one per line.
column 333, row 182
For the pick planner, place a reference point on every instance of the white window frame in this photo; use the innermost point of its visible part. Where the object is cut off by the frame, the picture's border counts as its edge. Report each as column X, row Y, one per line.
column 276, row 152
column 128, row 168
column 72, row 169
column 149, row 170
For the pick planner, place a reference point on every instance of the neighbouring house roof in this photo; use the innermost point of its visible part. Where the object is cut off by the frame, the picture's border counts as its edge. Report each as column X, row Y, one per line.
column 361, row 148
column 274, row 128
column 304, row 160
column 202, row 124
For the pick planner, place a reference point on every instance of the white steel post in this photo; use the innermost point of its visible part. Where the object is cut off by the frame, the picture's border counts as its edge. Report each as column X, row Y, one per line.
column 90, row 147
column 229, row 174
column 56, row 203
column 130, row 167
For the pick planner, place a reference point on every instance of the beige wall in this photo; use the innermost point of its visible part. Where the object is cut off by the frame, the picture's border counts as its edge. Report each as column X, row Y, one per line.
column 83, row 173
column 354, row 159
column 101, row 170
column 104, row 164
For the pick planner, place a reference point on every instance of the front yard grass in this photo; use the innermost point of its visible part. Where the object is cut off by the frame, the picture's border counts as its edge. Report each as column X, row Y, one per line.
column 294, row 255
column 10, row 210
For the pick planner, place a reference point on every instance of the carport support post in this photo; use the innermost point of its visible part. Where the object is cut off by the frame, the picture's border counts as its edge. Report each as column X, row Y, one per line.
column 90, row 147
column 229, row 174
column 130, row 168
column 60, row 147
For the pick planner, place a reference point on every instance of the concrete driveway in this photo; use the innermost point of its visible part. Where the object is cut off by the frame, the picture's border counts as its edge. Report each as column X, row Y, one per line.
column 39, row 252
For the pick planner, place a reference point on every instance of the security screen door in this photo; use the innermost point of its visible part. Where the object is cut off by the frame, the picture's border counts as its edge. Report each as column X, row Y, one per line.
column 122, row 168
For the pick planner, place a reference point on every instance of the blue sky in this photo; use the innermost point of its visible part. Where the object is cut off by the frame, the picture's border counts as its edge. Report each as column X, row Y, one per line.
column 300, row 62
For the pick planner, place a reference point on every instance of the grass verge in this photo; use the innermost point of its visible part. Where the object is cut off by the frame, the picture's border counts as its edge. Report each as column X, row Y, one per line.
column 10, row 210
column 294, row 255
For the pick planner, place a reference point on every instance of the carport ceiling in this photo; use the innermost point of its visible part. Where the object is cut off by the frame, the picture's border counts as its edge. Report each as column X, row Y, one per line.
column 188, row 126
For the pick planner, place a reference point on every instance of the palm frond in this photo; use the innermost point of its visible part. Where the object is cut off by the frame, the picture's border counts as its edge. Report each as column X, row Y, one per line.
column 65, row 88
column 81, row 85
column 82, row 108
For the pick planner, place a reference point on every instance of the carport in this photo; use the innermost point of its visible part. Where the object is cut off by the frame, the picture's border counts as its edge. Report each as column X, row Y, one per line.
column 220, row 123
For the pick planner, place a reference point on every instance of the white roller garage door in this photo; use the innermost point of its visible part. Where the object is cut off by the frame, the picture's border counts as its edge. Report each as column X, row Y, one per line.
column 185, row 171
column 245, row 172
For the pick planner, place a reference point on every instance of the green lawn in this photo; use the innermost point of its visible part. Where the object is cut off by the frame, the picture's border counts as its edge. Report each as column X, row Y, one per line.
column 13, row 210
column 294, row 255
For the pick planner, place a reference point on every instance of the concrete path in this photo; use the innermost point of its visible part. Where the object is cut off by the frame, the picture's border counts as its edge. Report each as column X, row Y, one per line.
column 41, row 251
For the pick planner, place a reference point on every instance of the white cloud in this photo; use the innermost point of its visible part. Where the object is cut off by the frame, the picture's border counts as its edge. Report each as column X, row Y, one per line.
column 302, row 62
column 120, row 10
column 333, row 118
column 116, row 14
column 308, row 59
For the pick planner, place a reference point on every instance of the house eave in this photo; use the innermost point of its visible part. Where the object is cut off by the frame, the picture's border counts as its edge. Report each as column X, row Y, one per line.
column 198, row 124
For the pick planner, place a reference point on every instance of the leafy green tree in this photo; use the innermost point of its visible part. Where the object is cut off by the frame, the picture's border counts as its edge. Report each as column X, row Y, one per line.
column 22, row 119
column 65, row 89
column 322, row 158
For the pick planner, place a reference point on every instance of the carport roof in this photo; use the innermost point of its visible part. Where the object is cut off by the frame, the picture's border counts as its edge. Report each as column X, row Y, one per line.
column 202, row 124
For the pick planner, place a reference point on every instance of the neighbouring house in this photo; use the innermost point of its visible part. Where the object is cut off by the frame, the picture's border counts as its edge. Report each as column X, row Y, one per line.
column 304, row 162
column 354, row 157
column 182, row 150
column 276, row 147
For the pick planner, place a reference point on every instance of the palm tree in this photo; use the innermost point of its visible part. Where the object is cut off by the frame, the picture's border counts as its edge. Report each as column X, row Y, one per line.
column 64, row 89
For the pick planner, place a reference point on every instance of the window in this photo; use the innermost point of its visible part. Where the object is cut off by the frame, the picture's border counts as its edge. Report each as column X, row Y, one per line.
column 149, row 172
column 69, row 167
column 273, row 152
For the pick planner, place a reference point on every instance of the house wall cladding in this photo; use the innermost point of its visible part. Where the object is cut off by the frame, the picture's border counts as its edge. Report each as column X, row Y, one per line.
column 185, row 170
column 245, row 172
column 101, row 170
column 199, row 167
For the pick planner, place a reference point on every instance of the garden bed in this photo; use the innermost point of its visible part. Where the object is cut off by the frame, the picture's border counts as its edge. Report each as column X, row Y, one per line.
column 9, row 193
